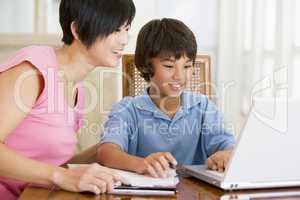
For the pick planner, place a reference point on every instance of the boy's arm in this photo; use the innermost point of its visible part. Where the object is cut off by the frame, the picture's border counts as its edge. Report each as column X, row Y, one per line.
column 217, row 140
column 111, row 155
column 120, row 135
column 216, row 137
column 156, row 164
column 86, row 156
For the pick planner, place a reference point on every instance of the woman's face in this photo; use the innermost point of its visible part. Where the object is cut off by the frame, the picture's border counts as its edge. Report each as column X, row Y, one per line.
column 108, row 51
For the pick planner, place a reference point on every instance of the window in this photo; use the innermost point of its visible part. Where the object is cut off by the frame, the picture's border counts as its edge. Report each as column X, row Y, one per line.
column 30, row 16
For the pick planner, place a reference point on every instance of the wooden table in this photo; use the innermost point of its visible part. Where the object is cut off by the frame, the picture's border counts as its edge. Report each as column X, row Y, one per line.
column 188, row 189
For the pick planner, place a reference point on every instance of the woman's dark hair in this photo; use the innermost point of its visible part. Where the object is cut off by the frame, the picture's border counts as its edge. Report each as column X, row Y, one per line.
column 163, row 38
column 94, row 18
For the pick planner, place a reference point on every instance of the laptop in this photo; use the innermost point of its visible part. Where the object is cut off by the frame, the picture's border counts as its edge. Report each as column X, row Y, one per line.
column 266, row 154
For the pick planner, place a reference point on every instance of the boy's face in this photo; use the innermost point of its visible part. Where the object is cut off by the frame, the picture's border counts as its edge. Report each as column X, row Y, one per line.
column 171, row 76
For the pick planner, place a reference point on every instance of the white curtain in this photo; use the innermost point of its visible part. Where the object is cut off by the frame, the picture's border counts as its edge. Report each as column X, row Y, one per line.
column 259, row 42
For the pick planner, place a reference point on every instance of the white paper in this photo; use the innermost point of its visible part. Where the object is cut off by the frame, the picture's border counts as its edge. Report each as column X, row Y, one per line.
column 138, row 180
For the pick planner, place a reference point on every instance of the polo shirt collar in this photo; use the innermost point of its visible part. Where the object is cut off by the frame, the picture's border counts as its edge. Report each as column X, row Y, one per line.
column 188, row 100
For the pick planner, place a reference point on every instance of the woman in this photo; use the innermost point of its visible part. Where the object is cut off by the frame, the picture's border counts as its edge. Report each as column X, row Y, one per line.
column 41, row 98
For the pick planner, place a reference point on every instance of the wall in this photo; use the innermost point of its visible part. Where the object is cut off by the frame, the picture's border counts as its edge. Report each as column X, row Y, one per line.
column 16, row 16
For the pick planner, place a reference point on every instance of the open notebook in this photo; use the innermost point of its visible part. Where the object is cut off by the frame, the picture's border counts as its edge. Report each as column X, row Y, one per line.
column 138, row 180
column 147, row 185
column 144, row 184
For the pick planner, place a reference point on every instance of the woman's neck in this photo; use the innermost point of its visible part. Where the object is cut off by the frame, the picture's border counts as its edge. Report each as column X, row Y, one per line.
column 73, row 62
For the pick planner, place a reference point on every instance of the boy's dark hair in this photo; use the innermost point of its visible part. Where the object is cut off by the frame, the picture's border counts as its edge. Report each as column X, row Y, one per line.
column 163, row 38
column 94, row 18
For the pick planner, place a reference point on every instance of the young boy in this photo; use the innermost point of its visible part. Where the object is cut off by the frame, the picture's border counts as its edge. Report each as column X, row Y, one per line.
column 167, row 125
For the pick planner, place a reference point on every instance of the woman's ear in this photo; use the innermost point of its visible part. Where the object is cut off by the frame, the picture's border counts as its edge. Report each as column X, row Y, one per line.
column 74, row 31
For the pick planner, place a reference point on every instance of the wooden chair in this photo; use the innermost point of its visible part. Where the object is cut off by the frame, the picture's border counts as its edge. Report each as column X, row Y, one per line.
column 134, row 84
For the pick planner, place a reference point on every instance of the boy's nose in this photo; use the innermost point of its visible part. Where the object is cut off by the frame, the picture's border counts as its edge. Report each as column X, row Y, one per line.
column 178, row 74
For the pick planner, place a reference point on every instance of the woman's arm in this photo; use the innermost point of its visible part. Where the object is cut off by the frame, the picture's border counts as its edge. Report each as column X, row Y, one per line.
column 17, row 167
column 12, row 164
column 92, row 178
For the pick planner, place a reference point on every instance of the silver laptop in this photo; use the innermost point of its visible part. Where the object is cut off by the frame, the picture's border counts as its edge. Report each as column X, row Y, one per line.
column 266, row 154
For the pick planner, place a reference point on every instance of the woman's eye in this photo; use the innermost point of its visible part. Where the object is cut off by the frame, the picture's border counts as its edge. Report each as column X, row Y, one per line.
column 125, row 29
column 187, row 66
column 168, row 66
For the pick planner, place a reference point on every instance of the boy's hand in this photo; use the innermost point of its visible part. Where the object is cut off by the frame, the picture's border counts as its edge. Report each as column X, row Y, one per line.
column 218, row 161
column 157, row 164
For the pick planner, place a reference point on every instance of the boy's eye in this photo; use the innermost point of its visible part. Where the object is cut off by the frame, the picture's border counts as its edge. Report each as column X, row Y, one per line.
column 168, row 66
column 187, row 66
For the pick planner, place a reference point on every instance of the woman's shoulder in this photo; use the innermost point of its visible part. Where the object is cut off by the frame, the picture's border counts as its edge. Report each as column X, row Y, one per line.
column 35, row 49
column 39, row 56
column 29, row 67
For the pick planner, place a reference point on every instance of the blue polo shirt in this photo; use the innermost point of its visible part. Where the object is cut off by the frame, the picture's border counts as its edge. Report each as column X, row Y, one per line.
column 140, row 128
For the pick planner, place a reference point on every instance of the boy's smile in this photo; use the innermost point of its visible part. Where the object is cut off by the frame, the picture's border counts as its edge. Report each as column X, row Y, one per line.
column 176, row 87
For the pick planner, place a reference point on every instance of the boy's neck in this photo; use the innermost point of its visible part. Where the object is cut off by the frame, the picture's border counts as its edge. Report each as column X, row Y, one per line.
column 168, row 105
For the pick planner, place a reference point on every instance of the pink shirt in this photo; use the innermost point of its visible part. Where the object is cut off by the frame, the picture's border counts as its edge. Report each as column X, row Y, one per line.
column 47, row 133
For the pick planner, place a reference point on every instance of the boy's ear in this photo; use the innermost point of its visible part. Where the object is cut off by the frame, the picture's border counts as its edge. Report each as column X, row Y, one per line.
column 74, row 30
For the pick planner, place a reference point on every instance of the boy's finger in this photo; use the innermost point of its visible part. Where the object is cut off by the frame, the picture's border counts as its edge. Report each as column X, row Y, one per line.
column 151, row 171
column 219, row 164
column 158, row 168
column 225, row 163
column 164, row 163
column 210, row 163
column 170, row 158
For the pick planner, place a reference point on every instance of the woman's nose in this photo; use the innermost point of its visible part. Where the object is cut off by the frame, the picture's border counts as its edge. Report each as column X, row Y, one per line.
column 124, row 37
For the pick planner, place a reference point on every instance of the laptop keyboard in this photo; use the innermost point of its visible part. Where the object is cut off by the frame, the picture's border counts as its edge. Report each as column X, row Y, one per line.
column 215, row 173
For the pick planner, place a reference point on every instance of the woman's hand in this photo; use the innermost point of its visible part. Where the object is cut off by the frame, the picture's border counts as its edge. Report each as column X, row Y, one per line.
column 157, row 164
column 88, row 178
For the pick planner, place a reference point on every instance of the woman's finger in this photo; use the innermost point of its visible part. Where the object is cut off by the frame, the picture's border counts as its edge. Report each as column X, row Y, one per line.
column 118, row 178
column 115, row 175
column 102, row 185
column 103, row 176
column 90, row 188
